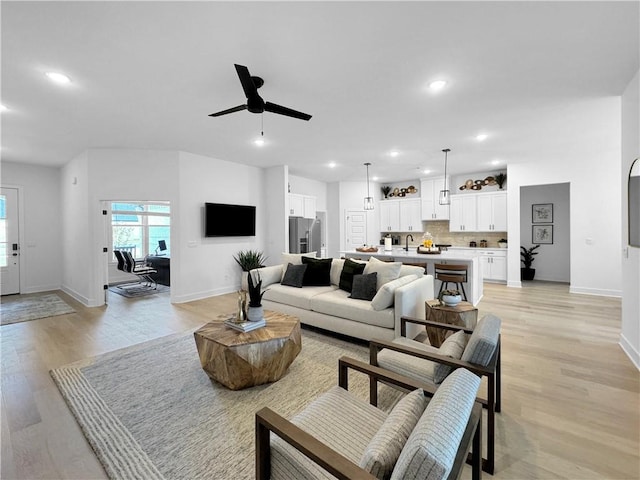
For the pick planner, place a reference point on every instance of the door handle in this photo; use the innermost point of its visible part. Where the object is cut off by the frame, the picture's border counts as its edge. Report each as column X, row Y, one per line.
column 14, row 255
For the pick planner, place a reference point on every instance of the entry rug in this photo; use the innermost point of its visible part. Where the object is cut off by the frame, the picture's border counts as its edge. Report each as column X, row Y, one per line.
column 150, row 411
column 23, row 309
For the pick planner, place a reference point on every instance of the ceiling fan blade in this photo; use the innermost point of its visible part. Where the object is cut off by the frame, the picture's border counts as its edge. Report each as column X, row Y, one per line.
column 239, row 108
column 248, row 86
column 279, row 109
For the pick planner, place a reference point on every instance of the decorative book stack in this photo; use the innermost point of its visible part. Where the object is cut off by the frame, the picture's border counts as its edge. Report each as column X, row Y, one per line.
column 244, row 326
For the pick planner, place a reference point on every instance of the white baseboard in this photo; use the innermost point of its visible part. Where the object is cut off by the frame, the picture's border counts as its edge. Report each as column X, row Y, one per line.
column 87, row 302
column 516, row 284
column 595, row 291
column 40, row 288
column 631, row 352
column 204, row 294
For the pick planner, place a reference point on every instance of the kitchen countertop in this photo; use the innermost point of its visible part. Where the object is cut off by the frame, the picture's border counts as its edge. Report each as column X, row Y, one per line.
column 413, row 254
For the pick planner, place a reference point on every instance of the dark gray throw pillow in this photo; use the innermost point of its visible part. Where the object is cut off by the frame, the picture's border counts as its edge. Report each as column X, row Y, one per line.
column 364, row 286
column 349, row 269
column 294, row 275
column 318, row 272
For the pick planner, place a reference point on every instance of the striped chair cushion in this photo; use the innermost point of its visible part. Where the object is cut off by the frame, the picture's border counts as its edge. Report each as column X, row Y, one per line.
column 384, row 449
column 452, row 347
column 431, row 449
column 483, row 341
column 336, row 418
column 422, row 370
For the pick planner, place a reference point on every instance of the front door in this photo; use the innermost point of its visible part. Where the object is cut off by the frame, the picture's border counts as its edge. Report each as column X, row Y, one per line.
column 9, row 246
column 356, row 229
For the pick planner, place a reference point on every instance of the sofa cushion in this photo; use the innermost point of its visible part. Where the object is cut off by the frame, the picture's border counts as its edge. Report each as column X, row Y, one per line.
column 338, row 304
column 411, row 270
column 294, row 275
column 384, row 297
column 386, row 271
column 318, row 271
column 336, row 270
column 453, row 347
column 383, row 451
column 294, row 258
column 364, row 286
column 418, row 368
column 349, row 269
column 296, row 297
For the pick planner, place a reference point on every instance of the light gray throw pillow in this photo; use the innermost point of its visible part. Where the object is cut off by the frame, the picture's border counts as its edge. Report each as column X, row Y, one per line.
column 387, row 271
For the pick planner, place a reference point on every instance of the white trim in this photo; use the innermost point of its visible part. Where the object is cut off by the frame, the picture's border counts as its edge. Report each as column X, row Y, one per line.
column 40, row 288
column 631, row 352
column 595, row 291
column 516, row 284
column 87, row 302
column 205, row 294
column 21, row 238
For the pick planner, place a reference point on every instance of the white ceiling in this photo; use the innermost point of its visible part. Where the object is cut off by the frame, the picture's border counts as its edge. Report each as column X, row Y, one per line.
column 147, row 74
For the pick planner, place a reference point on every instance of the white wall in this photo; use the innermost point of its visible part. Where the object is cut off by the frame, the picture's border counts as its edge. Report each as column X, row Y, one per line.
column 592, row 167
column 206, row 265
column 334, row 220
column 630, row 336
column 307, row 186
column 552, row 261
column 277, row 221
column 41, row 236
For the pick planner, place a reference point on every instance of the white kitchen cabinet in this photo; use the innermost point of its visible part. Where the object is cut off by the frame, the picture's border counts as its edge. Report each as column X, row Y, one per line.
column 492, row 212
column 430, row 193
column 389, row 216
column 494, row 265
column 462, row 213
column 302, row 206
column 410, row 215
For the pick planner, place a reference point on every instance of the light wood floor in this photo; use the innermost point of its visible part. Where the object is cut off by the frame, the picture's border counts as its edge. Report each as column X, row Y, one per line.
column 571, row 402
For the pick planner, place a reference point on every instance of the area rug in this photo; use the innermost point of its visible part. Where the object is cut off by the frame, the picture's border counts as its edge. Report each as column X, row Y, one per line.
column 31, row 308
column 135, row 292
column 150, row 411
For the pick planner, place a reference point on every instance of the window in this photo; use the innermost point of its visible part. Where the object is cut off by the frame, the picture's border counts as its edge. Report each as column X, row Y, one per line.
column 139, row 227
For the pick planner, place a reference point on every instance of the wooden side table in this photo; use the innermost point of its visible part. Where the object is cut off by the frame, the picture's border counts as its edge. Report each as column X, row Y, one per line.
column 463, row 314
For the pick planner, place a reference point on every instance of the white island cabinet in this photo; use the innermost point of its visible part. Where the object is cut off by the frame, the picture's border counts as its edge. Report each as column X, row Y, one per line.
column 473, row 286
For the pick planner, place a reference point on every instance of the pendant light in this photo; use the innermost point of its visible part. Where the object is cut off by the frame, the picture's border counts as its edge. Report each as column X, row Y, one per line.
column 445, row 194
column 368, row 200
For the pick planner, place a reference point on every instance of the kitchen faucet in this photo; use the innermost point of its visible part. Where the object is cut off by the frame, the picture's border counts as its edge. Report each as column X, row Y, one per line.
column 406, row 248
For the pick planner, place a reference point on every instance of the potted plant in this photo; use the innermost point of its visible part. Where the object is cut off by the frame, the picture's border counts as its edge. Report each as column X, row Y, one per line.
column 248, row 260
column 502, row 243
column 255, row 312
column 385, row 190
column 500, row 179
column 450, row 298
column 526, row 272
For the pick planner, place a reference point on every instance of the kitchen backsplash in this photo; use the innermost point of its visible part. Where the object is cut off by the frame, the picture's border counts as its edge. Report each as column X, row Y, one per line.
column 442, row 235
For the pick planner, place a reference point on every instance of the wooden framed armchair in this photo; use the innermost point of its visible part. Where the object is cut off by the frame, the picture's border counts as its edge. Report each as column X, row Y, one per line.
column 476, row 350
column 340, row 435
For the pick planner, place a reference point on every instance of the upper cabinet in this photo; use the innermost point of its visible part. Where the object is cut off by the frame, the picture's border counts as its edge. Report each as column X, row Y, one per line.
column 302, row 206
column 492, row 212
column 482, row 212
column 430, row 191
column 400, row 216
column 462, row 214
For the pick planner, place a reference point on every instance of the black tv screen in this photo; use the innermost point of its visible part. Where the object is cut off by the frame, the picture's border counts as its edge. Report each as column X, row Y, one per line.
column 224, row 220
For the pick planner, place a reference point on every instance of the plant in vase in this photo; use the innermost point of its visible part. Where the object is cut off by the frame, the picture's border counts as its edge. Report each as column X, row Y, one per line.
column 502, row 243
column 255, row 311
column 500, row 179
column 526, row 272
column 450, row 298
column 385, row 190
column 248, row 260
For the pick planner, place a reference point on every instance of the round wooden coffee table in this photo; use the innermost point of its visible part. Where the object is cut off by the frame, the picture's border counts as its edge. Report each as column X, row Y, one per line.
column 239, row 360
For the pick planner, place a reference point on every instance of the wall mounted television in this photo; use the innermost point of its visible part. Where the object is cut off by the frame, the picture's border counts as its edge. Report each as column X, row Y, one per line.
column 225, row 220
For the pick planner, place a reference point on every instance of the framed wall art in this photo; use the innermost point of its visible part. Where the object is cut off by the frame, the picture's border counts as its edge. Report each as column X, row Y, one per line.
column 542, row 213
column 542, row 234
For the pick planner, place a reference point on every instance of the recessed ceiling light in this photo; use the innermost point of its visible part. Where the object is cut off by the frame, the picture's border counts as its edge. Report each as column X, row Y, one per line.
column 481, row 137
column 259, row 142
column 394, row 153
column 437, row 85
column 60, row 78
column 426, row 171
column 332, row 164
column 496, row 162
column 375, row 179
column 3, row 108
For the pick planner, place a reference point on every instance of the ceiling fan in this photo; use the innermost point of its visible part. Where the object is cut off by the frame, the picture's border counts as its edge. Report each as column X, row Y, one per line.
column 255, row 103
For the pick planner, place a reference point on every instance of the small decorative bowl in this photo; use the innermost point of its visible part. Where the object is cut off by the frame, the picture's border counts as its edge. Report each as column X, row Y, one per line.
column 451, row 300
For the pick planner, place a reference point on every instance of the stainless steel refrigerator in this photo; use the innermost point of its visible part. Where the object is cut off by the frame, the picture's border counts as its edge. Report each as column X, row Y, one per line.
column 305, row 235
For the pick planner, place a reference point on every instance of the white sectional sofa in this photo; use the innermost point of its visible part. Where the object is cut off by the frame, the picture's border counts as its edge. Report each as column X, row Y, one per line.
column 330, row 308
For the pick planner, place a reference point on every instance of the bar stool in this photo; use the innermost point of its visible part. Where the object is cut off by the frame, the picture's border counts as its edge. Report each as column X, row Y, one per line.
column 448, row 273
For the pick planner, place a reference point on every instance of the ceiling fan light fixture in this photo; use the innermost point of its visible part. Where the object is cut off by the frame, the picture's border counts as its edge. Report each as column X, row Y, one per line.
column 368, row 200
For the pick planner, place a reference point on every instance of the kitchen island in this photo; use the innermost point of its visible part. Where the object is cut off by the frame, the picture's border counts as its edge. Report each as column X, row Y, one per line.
column 473, row 286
